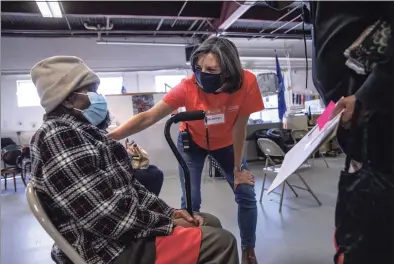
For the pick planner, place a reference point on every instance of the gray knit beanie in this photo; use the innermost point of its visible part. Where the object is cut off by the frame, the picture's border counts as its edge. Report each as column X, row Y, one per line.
column 56, row 77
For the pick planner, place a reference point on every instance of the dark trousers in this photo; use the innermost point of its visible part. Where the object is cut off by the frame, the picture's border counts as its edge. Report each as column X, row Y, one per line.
column 152, row 178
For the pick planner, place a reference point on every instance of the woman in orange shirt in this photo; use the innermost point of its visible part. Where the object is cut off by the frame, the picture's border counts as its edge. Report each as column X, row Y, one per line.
column 228, row 94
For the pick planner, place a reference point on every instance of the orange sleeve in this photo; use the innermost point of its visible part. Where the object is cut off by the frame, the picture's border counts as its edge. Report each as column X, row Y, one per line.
column 253, row 101
column 176, row 96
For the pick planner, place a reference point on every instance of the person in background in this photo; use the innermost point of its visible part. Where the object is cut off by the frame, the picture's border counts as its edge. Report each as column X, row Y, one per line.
column 147, row 174
column 85, row 181
column 353, row 67
column 228, row 95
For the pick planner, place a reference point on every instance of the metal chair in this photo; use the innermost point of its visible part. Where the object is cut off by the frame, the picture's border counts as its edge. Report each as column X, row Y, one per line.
column 270, row 149
column 282, row 137
column 24, row 163
column 10, row 156
column 212, row 170
column 39, row 212
column 297, row 135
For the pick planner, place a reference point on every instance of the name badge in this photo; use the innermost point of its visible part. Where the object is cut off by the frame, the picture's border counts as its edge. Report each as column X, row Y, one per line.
column 215, row 119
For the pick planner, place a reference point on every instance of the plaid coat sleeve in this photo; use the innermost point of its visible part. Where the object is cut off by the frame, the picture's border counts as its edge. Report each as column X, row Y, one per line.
column 104, row 202
column 159, row 206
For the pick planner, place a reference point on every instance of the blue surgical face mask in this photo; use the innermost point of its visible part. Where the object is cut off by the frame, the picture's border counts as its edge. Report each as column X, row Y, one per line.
column 208, row 82
column 97, row 111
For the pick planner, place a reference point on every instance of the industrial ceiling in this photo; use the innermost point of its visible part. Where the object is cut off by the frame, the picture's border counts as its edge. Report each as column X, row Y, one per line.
column 186, row 19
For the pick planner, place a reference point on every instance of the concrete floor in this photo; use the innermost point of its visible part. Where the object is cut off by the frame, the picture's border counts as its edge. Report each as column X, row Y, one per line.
column 301, row 234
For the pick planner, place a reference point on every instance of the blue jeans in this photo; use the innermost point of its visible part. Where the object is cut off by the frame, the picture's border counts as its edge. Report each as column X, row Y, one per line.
column 245, row 195
column 151, row 178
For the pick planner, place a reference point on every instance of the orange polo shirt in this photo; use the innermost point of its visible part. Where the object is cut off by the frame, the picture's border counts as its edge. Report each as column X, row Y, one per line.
column 244, row 102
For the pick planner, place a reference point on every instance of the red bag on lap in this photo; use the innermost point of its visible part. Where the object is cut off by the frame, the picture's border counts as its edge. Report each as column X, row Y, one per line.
column 181, row 247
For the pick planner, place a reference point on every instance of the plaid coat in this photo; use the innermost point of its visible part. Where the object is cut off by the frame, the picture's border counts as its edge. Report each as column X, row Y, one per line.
column 85, row 181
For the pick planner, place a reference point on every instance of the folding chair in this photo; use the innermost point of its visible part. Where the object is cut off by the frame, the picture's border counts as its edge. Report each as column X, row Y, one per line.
column 270, row 149
column 39, row 212
column 297, row 135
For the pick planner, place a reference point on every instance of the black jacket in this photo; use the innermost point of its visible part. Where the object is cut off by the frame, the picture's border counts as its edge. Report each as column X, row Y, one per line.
column 336, row 25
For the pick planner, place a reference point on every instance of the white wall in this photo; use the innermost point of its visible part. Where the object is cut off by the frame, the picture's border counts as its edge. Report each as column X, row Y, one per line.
column 298, row 81
column 20, row 54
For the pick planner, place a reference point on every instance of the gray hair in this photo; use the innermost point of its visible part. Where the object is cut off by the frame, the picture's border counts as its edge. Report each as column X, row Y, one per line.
column 230, row 64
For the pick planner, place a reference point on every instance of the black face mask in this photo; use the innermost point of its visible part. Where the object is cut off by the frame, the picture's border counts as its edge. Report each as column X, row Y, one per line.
column 208, row 82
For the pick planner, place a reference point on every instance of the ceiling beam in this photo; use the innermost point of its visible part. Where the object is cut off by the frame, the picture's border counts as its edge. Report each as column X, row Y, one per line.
column 265, row 13
column 47, row 33
column 5, row 14
column 231, row 11
column 127, row 8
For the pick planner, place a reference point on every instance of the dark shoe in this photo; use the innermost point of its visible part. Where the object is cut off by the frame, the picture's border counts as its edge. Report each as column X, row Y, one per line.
column 248, row 256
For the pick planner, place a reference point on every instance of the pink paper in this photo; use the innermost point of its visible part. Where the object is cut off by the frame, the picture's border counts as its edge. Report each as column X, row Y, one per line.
column 325, row 116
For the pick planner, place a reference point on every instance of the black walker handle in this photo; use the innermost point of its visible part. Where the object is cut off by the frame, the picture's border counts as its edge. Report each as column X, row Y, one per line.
column 182, row 117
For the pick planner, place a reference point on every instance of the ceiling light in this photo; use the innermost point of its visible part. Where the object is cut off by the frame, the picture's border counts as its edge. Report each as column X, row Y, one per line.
column 49, row 8
column 140, row 43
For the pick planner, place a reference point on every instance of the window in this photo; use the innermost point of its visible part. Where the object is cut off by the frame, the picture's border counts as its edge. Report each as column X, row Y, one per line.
column 164, row 83
column 27, row 94
column 269, row 114
column 110, row 85
column 271, row 101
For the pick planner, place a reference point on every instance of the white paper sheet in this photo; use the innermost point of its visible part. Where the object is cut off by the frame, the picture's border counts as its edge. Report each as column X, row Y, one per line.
column 303, row 150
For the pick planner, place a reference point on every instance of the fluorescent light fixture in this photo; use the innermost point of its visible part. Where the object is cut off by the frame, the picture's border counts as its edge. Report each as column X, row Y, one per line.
column 49, row 8
column 110, row 42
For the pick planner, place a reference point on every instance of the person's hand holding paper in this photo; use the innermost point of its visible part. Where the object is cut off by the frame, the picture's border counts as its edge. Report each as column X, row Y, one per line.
column 347, row 104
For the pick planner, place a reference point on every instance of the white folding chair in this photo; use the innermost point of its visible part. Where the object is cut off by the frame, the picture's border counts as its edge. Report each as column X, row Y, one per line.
column 41, row 216
column 298, row 134
column 271, row 149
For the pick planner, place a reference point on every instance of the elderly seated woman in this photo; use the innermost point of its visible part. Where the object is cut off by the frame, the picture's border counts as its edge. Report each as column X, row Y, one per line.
column 85, row 181
column 147, row 174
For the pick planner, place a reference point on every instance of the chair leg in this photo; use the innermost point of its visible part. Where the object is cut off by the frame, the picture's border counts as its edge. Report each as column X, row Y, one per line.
column 281, row 197
column 262, row 187
column 325, row 161
column 309, row 189
column 23, row 175
column 313, row 159
column 5, row 181
column 292, row 189
column 14, row 181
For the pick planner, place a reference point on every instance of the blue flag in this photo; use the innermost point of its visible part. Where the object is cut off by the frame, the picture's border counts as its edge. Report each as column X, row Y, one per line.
column 281, row 93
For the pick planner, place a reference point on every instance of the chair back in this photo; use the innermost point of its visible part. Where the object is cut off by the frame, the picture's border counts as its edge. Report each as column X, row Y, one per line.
column 10, row 154
column 42, row 217
column 270, row 148
column 298, row 134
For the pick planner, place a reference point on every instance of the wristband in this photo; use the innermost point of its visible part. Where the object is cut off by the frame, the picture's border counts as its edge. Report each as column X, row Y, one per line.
column 239, row 169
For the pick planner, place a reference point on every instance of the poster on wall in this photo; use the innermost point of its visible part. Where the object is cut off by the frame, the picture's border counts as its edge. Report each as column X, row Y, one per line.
column 142, row 103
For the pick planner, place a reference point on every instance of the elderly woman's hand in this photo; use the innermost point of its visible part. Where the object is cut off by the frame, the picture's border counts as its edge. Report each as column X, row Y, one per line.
column 183, row 218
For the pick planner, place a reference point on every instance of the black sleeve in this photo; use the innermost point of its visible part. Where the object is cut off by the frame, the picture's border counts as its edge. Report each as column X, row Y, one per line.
column 377, row 91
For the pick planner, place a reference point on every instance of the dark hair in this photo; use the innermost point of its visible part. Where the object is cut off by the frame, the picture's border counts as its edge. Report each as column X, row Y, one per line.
column 230, row 64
